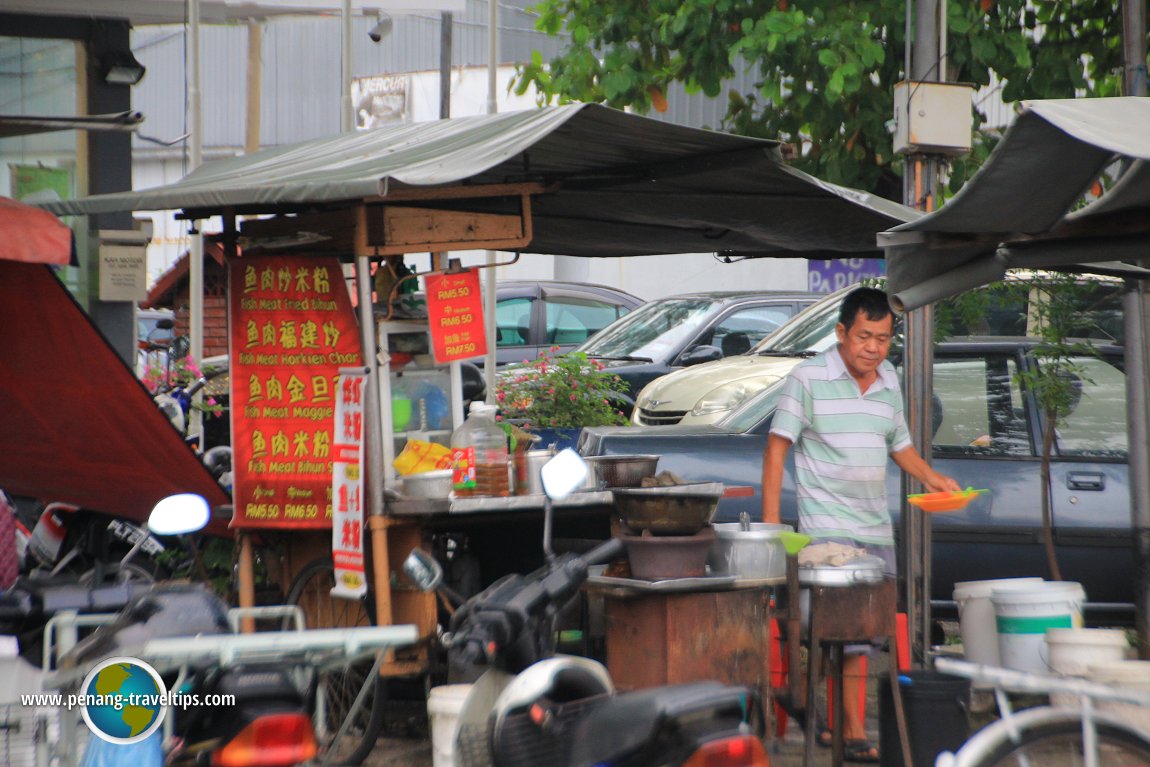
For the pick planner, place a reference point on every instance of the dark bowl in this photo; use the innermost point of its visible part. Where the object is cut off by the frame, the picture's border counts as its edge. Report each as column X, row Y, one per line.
column 674, row 510
column 622, row 470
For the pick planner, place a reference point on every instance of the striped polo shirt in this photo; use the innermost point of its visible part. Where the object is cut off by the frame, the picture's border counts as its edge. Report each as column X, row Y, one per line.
column 842, row 441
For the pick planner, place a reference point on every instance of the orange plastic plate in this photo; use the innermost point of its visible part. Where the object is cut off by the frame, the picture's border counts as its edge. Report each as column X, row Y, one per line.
column 949, row 501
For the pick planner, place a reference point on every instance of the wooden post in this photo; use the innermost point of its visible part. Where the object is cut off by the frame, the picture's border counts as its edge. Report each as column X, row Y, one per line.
column 247, row 580
column 381, row 567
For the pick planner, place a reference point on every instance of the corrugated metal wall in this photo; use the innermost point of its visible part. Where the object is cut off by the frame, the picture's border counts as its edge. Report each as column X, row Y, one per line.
column 301, row 70
column 301, row 73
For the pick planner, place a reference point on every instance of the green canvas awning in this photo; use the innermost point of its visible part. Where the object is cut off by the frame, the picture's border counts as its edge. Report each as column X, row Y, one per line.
column 617, row 184
column 1016, row 211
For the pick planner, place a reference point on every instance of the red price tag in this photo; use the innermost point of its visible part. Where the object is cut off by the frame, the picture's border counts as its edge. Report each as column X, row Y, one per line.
column 455, row 316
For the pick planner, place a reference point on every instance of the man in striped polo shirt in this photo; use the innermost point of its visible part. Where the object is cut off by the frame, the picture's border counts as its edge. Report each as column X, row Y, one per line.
column 842, row 410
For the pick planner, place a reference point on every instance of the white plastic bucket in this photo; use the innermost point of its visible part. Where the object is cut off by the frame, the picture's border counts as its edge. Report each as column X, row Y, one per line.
column 1022, row 616
column 1070, row 652
column 1124, row 673
column 976, row 616
column 443, row 707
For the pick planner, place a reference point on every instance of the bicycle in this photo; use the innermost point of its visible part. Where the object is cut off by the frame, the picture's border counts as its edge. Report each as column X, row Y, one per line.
column 1049, row 735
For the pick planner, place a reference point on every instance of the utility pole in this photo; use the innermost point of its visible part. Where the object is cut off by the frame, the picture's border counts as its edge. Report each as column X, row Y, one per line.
column 920, row 191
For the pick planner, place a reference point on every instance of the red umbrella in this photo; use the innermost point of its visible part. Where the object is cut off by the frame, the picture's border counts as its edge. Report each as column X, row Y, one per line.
column 32, row 235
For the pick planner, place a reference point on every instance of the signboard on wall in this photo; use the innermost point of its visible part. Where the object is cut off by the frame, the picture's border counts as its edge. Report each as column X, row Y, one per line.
column 123, row 273
column 292, row 329
column 828, row 275
column 381, row 100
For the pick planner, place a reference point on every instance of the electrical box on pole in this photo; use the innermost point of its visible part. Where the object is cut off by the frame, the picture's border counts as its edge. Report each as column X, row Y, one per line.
column 932, row 117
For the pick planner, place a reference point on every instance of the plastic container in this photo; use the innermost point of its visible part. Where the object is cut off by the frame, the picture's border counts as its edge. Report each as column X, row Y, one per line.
column 1071, row 652
column 935, row 705
column 1022, row 616
column 481, row 464
column 444, row 705
column 976, row 616
column 1129, row 674
column 401, row 406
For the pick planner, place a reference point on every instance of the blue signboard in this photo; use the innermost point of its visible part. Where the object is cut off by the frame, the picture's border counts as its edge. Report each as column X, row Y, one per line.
column 827, row 276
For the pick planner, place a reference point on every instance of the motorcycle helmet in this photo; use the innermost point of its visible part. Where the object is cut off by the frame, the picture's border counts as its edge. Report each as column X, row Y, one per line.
column 218, row 461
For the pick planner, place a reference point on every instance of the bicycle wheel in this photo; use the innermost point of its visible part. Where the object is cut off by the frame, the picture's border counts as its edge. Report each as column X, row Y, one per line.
column 311, row 591
column 1051, row 737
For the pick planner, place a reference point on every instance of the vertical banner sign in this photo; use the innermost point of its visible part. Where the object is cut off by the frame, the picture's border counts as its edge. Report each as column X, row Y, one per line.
column 292, row 329
column 455, row 316
column 347, row 487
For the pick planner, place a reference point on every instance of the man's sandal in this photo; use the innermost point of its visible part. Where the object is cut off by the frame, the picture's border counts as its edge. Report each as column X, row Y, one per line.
column 860, row 751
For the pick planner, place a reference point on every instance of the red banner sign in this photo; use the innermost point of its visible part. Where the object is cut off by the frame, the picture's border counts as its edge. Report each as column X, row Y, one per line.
column 455, row 316
column 292, row 329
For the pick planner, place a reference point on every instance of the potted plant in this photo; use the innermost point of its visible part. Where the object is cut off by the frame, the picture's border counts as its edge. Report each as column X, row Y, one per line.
column 556, row 395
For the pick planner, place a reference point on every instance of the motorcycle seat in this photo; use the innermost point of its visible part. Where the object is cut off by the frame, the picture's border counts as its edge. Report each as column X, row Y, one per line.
column 630, row 722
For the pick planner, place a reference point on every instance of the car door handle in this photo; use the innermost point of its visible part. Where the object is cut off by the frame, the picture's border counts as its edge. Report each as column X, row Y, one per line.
column 1085, row 480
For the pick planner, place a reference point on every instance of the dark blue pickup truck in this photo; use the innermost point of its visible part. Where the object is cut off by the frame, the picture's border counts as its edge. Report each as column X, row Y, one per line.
column 987, row 435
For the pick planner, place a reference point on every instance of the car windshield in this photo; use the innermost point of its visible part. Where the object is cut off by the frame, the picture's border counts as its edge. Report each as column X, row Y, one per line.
column 810, row 331
column 653, row 331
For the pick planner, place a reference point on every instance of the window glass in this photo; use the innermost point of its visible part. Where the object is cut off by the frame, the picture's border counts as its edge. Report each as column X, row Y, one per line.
column 1096, row 424
column 653, row 330
column 977, row 407
column 572, row 320
column 513, row 321
column 812, row 330
column 39, row 78
column 739, row 331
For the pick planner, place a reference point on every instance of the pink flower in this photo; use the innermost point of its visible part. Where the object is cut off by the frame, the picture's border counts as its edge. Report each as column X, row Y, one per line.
column 573, row 397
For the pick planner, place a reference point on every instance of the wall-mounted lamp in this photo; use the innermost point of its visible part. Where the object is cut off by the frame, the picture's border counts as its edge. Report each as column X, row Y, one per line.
column 381, row 29
column 121, row 68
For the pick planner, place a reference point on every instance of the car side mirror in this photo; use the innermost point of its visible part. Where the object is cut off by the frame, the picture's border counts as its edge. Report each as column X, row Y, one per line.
column 700, row 354
column 474, row 384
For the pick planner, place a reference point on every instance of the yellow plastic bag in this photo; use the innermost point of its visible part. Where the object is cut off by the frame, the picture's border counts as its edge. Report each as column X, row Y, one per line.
column 419, row 456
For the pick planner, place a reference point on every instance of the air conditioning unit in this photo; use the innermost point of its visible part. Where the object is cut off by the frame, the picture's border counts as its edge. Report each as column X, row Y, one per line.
column 932, row 118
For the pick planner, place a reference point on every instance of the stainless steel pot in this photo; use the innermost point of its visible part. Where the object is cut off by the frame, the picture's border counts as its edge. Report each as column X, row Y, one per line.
column 535, row 461
column 756, row 552
column 864, row 569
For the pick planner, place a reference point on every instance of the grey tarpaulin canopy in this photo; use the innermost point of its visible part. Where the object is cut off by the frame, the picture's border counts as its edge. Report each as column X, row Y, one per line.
column 616, row 184
column 1017, row 212
column 1014, row 213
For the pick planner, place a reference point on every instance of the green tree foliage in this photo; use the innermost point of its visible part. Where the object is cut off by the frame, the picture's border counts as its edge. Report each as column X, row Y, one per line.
column 827, row 69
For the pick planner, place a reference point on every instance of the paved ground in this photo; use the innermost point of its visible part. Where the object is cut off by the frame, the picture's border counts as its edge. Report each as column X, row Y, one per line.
column 397, row 750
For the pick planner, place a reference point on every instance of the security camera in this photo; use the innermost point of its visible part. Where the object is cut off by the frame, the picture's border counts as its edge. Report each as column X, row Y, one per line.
column 381, row 29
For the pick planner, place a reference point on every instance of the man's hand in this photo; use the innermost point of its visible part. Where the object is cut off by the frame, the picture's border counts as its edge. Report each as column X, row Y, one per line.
column 911, row 462
column 940, row 483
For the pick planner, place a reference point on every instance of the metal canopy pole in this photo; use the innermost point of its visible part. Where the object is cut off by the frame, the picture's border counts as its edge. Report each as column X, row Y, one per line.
column 1136, row 313
column 489, row 277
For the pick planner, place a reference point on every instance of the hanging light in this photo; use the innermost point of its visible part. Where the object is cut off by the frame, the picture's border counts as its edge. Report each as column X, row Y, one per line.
column 121, row 68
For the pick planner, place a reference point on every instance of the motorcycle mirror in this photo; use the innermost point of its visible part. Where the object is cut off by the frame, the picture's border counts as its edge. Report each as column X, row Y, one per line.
column 179, row 514
column 563, row 474
column 423, row 570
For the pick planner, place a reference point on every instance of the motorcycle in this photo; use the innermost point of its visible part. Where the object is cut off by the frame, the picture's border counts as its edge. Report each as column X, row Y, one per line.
column 67, row 541
column 267, row 722
column 529, row 706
